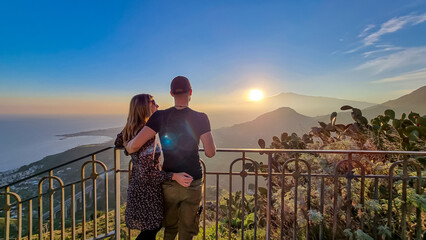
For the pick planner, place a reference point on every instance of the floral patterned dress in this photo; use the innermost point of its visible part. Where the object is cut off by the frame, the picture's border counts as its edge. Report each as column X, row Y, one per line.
column 145, row 208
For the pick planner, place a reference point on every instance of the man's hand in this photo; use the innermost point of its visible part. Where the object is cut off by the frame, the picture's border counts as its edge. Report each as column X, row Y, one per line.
column 184, row 179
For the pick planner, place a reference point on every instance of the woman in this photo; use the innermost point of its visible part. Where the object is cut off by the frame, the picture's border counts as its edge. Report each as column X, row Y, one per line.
column 144, row 209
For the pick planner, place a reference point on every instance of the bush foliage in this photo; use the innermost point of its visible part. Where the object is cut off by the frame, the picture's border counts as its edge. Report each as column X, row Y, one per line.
column 358, row 216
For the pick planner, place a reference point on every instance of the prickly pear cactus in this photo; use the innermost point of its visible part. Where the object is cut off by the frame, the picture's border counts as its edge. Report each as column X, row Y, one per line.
column 387, row 132
column 411, row 130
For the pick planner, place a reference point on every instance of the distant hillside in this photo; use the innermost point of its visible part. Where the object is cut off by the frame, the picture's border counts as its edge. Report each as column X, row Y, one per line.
column 72, row 172
column 412, row 102
column 110, row 132
column 286, row 119
column 265, row 126
column 311, row 105
column 307, row 105
column 415, row 101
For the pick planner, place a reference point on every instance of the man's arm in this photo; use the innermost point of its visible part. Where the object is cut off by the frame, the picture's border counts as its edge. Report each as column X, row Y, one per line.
column 137, row 142
column 208, row 144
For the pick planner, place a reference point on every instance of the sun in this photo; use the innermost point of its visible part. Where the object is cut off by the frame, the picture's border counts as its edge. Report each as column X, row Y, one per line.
column 255, row 95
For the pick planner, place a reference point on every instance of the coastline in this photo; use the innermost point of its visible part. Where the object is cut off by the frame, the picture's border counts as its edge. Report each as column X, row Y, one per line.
column 53, row 160
column 109, row 132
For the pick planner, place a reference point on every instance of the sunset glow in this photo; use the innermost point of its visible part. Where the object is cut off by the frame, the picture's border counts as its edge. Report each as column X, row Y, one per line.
column 103, row 57
column 255, row 95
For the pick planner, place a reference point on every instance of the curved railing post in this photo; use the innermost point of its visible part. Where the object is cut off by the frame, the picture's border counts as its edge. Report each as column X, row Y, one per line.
column 390, row 181
column 269, row 196
column 406, row 215
column 405, row 178
column 128, row 184
column 51, row 191
column 204, row 197
column 7, row 207
column 404, row 200
column 243, row 174
column 117, row 189
column 94, row 175
column 348, row 197
column 296, row 174
column 419, row 191
column 30, row 219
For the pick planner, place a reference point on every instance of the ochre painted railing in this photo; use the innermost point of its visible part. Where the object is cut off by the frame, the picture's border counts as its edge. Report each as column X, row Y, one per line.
column 347, row 171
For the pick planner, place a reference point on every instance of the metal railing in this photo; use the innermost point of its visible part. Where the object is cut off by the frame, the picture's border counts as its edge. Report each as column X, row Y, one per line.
column 287, row 193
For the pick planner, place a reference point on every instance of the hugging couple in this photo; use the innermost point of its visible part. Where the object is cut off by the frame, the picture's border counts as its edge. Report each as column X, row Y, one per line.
column 167, row 195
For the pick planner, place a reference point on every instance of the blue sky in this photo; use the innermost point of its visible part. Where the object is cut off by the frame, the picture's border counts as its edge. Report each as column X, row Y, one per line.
column 72, row 52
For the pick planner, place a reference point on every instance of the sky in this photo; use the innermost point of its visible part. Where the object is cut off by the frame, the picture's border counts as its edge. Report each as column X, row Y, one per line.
column 91, row 57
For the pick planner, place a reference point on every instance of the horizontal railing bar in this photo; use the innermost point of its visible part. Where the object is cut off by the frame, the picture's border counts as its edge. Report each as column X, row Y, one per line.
column 61, row 165
column 238, row 173
column 337, row 176
column 305, row 175
column 56, row 189
column 241, row 150
column 270, row 150
column 315, row 175
column 102, row 173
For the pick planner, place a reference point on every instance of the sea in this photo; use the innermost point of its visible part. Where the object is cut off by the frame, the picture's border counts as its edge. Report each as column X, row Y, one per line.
column 27, row 139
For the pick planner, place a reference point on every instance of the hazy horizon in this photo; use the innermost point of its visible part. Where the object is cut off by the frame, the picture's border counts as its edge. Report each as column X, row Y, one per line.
column 222, row 114
column 90, row 58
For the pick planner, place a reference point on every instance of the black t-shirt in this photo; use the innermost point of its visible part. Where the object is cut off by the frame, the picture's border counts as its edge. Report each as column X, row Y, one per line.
column 180, row 132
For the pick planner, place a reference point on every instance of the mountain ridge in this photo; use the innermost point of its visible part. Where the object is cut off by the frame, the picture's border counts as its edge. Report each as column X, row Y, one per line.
column 414, row 101
column 323, row 97
column 311, row 105
column 264, row 126
column 286, row 119
column 409, row 100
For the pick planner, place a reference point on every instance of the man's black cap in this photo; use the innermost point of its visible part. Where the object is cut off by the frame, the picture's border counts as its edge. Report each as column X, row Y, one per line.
column 180, row 84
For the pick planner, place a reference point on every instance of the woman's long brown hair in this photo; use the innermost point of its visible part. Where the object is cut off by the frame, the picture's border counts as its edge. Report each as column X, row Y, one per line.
column 139, row 112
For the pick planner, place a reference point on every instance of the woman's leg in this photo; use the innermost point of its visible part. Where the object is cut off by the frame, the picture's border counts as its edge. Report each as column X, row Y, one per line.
column 148, row 234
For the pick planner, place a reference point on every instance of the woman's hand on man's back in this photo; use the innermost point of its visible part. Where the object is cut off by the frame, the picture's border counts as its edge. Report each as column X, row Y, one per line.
column 184, row 179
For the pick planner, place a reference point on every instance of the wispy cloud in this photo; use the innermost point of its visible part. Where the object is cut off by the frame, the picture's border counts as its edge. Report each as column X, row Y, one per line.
column 383, row 45
column 385, row 49
column 391, row 26
column 366, row 29
column 399, row 60
column 354, row 50
column 410, row 76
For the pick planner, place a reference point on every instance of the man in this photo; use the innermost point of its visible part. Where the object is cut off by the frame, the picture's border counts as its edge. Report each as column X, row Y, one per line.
column 180, row 129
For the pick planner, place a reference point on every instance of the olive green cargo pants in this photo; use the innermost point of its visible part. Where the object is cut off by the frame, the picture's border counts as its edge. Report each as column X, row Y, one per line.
column 181, row 207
